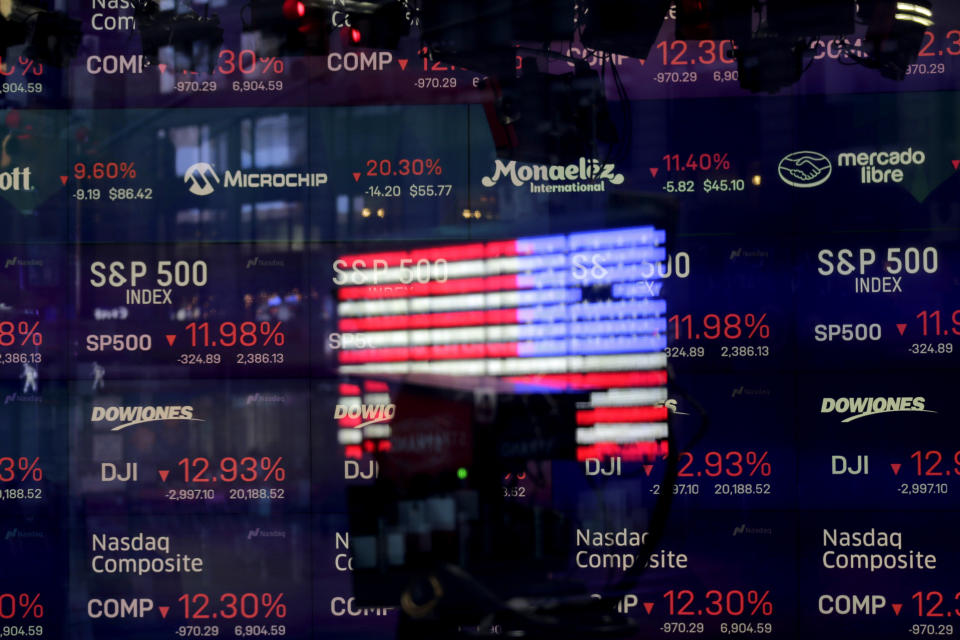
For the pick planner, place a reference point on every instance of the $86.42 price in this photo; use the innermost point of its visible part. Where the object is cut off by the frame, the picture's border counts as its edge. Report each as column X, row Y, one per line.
column 114, row 193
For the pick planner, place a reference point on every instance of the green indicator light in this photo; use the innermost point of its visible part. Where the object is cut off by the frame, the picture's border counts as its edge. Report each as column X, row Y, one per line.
column 462, row 473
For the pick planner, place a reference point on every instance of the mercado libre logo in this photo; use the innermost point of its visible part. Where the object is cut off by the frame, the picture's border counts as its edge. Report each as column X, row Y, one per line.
column 805, row 169
column 584, row 175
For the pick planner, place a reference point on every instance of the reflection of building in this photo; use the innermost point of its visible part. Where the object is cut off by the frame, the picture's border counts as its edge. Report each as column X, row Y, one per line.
column 267, row 142
column 203, row 144
column 164, row 145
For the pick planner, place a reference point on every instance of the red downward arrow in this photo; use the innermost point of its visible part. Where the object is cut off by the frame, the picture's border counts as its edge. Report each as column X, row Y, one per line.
column 956, row 164
column 163, row 68
column 647, row 468
column 163, row 474
column 901, row 328
column 896, row 467
column 896, row 608
column 171, row 338
column 356, row 176
column 653, row 171
column 163, row 611
column 648, row 606
column 63, row 180
column 403, row 63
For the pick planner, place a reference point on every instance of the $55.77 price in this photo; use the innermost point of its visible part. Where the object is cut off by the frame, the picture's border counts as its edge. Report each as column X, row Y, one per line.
column 414, row 191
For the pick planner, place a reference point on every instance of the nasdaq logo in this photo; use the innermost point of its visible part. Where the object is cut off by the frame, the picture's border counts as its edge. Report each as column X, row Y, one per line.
column 198, row 175
column 743, row 529
column 20, row 262
column 263, row 533
column 13, row 534
column 863, row 407
column 805, row 169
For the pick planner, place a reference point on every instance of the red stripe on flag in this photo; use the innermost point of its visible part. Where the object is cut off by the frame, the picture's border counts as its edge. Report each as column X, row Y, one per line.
column 349, row 389
column 438, row 352
column 504, row 248
column 409, row 258
column 449, row 287
column 646, row 451
column 621, row 414
column 596, row 380
column 430, row 320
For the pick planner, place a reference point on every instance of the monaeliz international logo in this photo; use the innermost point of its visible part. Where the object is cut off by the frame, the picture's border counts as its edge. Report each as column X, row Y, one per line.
column 198, row 175
column 587, row 174
column 805, row 169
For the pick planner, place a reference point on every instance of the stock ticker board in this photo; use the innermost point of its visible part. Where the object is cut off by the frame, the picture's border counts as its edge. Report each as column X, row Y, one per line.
column 290, row 349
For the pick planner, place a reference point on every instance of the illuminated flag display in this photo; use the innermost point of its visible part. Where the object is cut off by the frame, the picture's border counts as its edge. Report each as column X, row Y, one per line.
column 576, row 312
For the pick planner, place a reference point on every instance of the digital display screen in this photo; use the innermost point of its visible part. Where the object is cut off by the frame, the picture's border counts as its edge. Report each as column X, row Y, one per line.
column 428, row 319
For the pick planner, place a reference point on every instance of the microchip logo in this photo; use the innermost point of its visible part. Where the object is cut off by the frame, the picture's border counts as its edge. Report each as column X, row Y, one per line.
column 198, row 175
column 805, row 169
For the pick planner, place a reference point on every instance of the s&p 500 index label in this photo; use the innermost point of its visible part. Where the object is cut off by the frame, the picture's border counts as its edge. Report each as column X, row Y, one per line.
column 190, row 311
column 889, row 299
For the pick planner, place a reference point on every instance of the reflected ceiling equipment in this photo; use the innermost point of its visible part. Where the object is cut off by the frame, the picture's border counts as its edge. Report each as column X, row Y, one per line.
column 51, row 37
column 768, row 64
column 194, row 37
column 293, row 27
column 377, row 25
column 895, row 33
column 548, row 118
column 811, row 18
column 714, row 19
